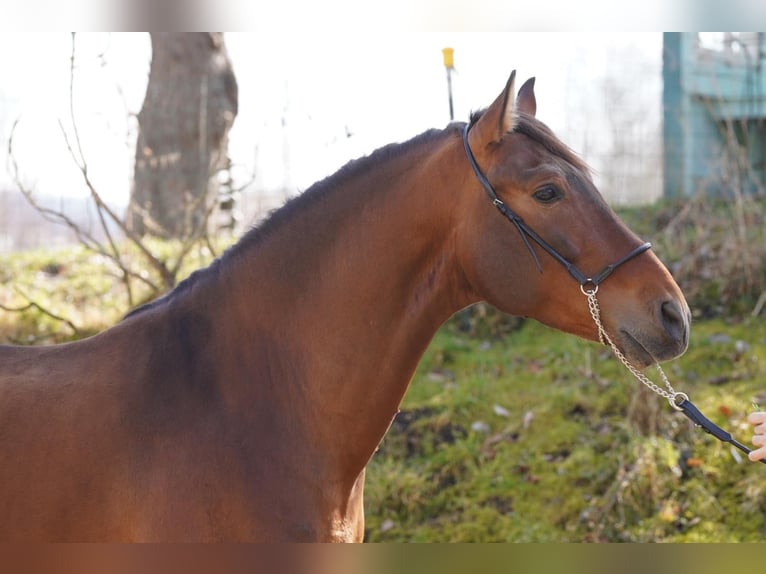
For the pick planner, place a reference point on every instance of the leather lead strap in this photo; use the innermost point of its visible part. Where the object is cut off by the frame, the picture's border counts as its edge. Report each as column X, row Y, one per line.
column 700, row 420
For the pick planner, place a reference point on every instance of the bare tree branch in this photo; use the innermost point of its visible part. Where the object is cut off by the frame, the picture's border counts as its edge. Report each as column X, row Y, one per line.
column 103, row 208
column 84, row 237
column 35, row 305
column 104, row 241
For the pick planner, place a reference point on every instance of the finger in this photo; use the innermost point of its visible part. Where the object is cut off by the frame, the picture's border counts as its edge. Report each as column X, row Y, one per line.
column 760, row 429
column 759, row 440
column 758, row 417
column 757, row 454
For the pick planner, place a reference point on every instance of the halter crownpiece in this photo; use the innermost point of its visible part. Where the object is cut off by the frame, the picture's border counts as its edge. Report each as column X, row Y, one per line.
column 527, row 232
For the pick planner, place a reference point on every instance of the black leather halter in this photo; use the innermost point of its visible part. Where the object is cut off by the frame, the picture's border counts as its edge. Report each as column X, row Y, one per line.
column 527, row 233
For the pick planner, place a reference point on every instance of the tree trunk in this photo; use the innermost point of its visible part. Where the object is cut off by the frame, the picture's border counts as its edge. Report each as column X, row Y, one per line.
column 190, row 104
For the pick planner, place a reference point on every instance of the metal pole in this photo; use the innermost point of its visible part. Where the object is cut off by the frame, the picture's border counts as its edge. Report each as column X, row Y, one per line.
column 449, row 65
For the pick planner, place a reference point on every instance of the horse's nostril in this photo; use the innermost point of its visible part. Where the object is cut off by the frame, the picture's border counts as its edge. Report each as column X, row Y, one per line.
column 674, row 321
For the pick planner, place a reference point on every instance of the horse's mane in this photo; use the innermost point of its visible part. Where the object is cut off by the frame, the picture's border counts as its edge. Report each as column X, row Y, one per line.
column 281, row 216
column 321, row 189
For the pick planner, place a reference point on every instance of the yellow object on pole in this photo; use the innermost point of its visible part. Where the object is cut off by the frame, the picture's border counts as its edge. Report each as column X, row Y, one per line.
column 449, row 64
column 449, row 58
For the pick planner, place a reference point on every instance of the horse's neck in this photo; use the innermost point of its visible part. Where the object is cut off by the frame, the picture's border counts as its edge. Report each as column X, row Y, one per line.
column 349, row 296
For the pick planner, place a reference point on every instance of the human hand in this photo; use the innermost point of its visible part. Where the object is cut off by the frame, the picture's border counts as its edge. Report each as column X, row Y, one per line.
column 758, row 420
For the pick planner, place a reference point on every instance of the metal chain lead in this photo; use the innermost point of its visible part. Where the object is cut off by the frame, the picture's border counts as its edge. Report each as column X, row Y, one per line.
column 684, row 404
column 670, row 394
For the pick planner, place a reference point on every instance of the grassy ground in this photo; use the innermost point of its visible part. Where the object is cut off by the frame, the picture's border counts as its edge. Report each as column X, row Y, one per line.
column 520, row 436
column 526, row 439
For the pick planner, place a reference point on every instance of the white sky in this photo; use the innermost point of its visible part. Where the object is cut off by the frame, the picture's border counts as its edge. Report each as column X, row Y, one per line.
column 380, row 88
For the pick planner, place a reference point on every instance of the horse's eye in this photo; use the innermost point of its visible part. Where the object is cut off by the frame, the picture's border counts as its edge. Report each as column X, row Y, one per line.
column 547, row 194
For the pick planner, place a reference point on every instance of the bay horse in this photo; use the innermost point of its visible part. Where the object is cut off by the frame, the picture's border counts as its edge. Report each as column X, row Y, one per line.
column 245, row 404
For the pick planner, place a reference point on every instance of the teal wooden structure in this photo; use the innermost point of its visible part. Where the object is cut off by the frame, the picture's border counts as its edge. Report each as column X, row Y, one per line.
column 714, row 113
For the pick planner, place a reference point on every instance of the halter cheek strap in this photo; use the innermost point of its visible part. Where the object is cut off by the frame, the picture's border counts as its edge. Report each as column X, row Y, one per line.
column 528, row 233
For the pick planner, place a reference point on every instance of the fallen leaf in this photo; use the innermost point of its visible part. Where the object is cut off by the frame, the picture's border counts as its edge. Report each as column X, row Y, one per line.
column 528, row 417
column 669, row 512
column 480, row 426
column 494, row 439
column 387, row 525
column 500, row 411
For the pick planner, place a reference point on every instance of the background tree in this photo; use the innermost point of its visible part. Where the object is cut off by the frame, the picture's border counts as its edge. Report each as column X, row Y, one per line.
column 190, row 105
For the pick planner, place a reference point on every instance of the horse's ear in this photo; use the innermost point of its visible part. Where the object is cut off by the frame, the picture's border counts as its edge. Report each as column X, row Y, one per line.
column 498, row 119
column 526, row 102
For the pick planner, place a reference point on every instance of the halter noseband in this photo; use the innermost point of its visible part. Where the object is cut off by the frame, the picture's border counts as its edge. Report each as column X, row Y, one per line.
column 526, row 232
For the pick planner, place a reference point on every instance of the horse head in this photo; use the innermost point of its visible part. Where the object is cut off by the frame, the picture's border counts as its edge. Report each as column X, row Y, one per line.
column 557, row 232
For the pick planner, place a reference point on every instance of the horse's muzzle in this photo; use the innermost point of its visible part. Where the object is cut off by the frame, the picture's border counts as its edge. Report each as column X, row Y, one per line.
column 662, row 339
